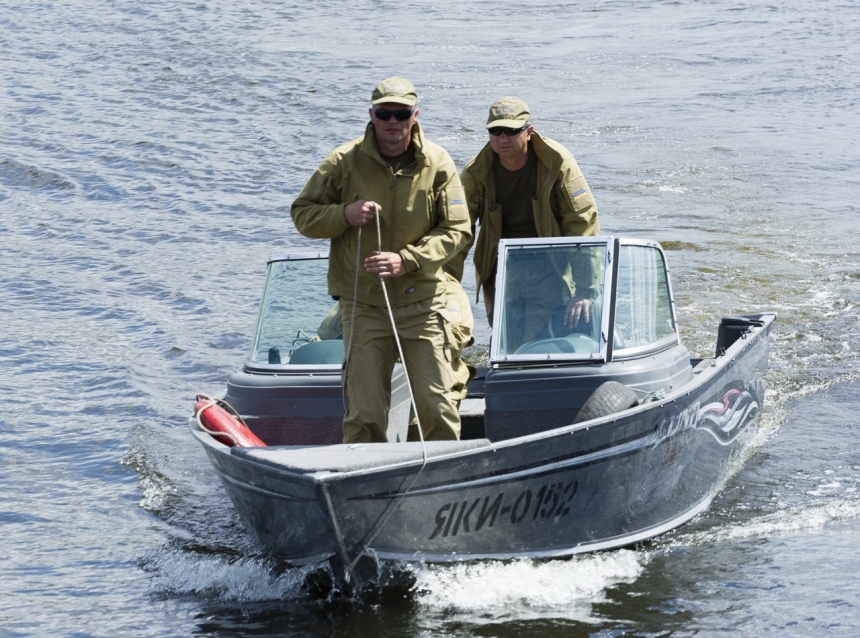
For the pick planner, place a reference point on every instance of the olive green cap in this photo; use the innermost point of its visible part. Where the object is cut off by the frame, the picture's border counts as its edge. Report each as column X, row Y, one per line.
column 395, row 90
column 510, row 112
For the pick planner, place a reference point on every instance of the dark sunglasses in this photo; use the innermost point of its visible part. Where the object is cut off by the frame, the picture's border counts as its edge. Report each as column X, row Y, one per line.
column 509, row 132
column 384, row 114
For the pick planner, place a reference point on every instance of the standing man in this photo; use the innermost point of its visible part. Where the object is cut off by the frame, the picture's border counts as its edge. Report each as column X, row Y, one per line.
column 414, row 186
column 524, row 185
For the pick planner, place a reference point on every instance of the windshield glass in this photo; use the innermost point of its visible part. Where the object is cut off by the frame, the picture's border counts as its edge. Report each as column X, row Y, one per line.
column 298, row 322
column 643, row 309
column 550, row 298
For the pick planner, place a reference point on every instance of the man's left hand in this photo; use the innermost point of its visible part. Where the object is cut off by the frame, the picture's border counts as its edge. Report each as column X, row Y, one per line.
column 385, row 264
column 578, row 310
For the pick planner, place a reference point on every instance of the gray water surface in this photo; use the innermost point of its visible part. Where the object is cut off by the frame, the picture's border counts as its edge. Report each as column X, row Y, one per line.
column 149, row 153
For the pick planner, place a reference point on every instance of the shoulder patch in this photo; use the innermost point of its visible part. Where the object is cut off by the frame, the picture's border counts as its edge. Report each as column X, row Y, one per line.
column 578, row 193
column 458, row 202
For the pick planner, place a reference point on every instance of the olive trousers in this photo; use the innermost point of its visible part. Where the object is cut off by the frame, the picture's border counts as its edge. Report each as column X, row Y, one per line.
column 426, row 336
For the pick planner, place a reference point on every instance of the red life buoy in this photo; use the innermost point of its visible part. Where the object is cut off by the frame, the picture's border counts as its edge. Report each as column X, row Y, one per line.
column 224, row 426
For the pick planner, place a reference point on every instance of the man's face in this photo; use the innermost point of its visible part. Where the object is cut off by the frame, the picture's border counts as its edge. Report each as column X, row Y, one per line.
column 391, row 130
column 512, row 146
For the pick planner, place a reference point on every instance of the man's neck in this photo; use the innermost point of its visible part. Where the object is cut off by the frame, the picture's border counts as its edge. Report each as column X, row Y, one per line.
column 514, row 163
column 393, row 149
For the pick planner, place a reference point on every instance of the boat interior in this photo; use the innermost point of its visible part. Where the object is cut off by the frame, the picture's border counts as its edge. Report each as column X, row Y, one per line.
column 540, row 370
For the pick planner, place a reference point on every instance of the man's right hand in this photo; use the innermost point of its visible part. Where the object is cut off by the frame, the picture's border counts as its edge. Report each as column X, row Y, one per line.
column 360, row 212
column 578, row 310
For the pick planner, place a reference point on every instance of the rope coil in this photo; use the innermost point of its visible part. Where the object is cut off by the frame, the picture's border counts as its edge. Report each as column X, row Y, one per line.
column 212, row 401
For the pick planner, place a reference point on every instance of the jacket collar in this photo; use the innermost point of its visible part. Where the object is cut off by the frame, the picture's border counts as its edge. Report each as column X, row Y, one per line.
column 482, row 164
column 368, row 145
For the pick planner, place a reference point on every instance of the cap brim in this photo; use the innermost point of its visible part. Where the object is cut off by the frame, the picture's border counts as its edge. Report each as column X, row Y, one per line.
column 507, row 123
column 394, row 100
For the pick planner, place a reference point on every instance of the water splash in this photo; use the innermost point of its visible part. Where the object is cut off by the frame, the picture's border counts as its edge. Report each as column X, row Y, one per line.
column 523, row 588
column 784, row 521
column 223, row 578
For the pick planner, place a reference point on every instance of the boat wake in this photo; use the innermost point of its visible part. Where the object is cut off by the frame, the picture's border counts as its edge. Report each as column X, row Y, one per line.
column 783, row 521
column 517, row 589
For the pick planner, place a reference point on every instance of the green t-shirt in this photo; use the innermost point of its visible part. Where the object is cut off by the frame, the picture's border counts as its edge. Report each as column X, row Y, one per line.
column 398, row 162
column 514, row 193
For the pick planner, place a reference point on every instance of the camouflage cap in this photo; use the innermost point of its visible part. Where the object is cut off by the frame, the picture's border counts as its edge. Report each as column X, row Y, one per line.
column 510, row 112
column 395, row 90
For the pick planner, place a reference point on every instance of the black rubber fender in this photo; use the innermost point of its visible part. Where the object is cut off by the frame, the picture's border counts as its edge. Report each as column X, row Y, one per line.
column 609, row 398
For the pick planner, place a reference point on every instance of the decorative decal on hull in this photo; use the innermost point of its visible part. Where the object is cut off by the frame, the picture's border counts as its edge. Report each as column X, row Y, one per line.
column 729, row 416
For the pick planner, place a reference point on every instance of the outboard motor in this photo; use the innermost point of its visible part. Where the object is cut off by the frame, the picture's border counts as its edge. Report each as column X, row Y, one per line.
column 733, row 328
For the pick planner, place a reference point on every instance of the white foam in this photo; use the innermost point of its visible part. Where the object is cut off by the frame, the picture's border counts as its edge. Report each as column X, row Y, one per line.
column 523, row 588
column 242, row 580
column 784, row 521
column 154, row 492
column 673, row 188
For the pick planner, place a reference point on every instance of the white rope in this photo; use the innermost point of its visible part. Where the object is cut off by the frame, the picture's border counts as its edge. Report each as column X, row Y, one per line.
column 390, row 317
column 397, row 337
column 352, row 317
column 396, row 504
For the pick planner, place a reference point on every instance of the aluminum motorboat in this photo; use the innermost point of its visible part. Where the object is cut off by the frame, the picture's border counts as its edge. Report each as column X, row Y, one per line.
column 573, row 439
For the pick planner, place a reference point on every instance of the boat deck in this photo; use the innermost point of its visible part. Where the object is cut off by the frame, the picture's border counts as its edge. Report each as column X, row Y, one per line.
column 352, row 457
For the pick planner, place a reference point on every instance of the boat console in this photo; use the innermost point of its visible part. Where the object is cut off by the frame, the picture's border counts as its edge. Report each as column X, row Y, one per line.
column 543, row 367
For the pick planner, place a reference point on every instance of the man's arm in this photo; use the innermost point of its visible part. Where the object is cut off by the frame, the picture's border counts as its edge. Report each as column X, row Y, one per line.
column 456, row 264
column 578, row 217
column 577, row 211
column 318, row 211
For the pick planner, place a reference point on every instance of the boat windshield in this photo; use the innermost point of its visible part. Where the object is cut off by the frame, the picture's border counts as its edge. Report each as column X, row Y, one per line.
column 538, row 285
column 644, row 316
column 298, row 323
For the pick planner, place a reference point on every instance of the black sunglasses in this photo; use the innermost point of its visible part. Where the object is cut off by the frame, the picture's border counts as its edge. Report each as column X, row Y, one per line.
column 401, row 116
column 510, row 132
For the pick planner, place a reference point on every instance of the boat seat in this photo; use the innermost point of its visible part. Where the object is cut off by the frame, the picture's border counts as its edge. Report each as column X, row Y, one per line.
column 329, row 351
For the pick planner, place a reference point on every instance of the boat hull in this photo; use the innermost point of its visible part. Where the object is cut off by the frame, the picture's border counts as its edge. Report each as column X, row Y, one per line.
column 595, row 485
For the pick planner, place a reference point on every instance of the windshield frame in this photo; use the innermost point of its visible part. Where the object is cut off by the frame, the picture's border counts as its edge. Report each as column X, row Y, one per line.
column 606, row 284
column 252, row 365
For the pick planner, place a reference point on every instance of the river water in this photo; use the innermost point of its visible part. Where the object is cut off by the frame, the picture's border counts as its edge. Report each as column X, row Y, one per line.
column 150, row 152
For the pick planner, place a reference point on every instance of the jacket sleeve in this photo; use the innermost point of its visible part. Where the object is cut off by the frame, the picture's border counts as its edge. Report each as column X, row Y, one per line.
column 574, row 202
column 317, row 212
column 578, row 218
column 457, row 263
column 452, row 232
column 474, row 196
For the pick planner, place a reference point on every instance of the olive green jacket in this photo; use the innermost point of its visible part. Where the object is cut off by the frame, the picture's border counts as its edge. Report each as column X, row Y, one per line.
column 563, row 206
column 423, row 217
